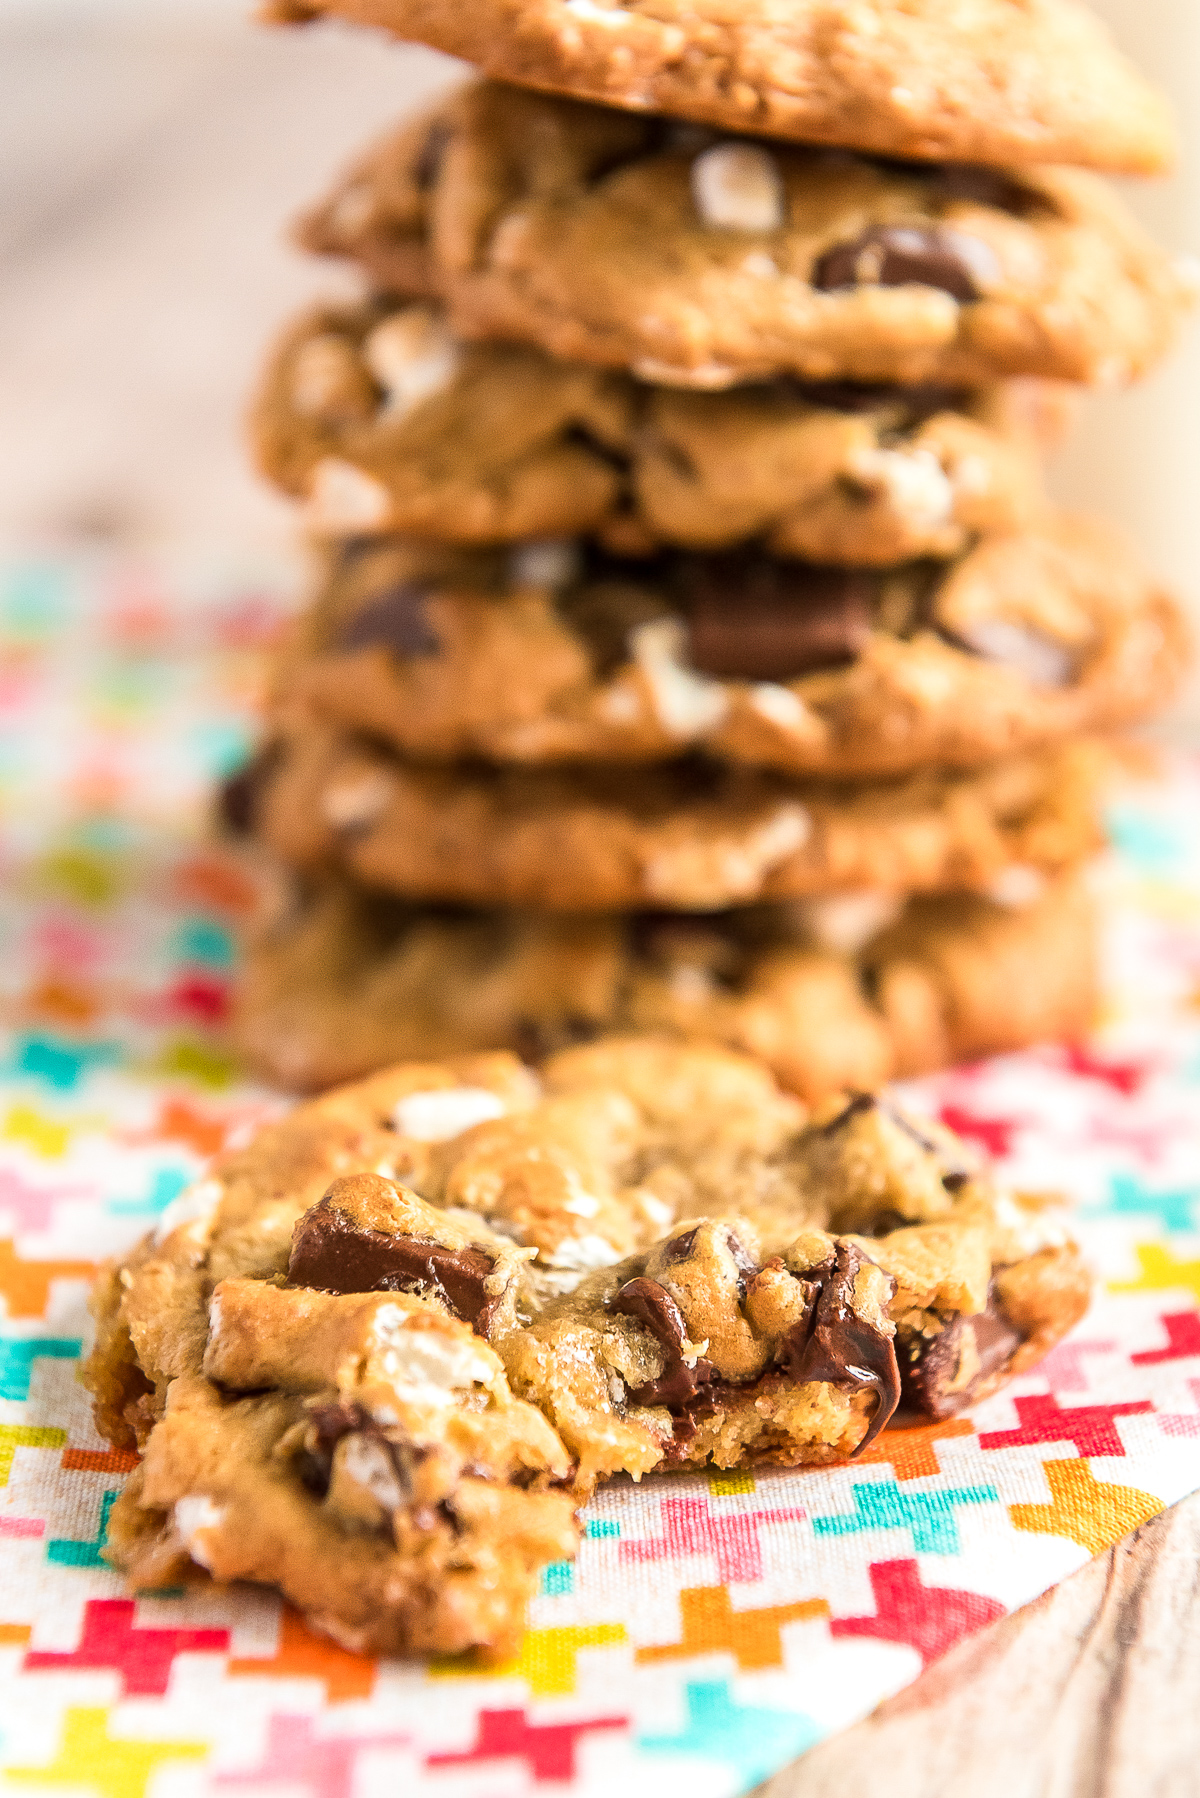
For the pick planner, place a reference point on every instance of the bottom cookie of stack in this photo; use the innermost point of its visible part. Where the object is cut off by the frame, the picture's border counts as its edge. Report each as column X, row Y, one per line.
column 843, row 991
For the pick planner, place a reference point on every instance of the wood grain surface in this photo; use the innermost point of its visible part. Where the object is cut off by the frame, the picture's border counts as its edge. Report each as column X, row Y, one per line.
column 1091, row 1692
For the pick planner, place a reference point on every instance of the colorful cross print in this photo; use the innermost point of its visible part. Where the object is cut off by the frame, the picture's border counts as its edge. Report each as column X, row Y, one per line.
column 142, row 1657
column 711, row 1625
column 930, row 1619
column 928, row 1516
column 18, row 1354
column 90, row 1759
column 548, row 1749
column 1086, row 1510
column 692, row 1527
column 295, row 1756
column 1182, row 1330
column 749, row 1737
column 1090, row 1427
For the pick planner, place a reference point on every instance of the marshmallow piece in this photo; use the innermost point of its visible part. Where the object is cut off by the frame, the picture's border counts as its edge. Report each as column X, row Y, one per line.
column 412, row 356
column 366, row 1461
column 192, row 1517
column 914, row 481
column 845, row 922
column 1043, row 662
column 738, row 187
column 685, row 702
column 1017, row 887
column 427, row 1366
column 445, row 1112
column 351, row 804
column 342, row 497
column 554, row 563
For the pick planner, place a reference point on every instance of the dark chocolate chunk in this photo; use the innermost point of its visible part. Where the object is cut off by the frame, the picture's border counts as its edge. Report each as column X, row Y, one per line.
column 331, row 1253
column 239, row 796
column 535, row 1039
column 900, row 255
column 929, row 1365
column 859, row 1103
column 428, row 164
column 756, row 618
column 344, row 1418
column 834, row 1343
column 652, row 1305
column 986, row 187
column 395, row 620
column 917, row 403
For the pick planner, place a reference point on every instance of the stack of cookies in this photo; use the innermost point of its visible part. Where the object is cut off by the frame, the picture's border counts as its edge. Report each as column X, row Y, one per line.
column 695, row 649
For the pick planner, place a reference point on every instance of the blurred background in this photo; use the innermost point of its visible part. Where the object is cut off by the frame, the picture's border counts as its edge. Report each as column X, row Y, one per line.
column 151, row 153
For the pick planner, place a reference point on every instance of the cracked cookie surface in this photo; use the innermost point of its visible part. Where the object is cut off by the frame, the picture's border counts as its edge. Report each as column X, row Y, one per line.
column 557, row 652
column 629, row 242
column 986, row 81
column 366, row 1362
column 689, row 836
column 381, row 421
column 846, row 991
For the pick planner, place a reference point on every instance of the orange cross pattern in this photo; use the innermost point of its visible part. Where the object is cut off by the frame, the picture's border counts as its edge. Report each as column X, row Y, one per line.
column 26, row 1284
column 753, row 1637
column 302, row 1655
column 909, row 1453
column 180, row 1121
column 99, row 1460
column 1084, row 1509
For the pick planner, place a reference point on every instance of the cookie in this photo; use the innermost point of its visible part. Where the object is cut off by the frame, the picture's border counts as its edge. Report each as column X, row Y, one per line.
column 689, row 836
column 841, row 992
column 695, row 260
column 715, row 1348
column 559, row 652
column 318, row 1384
column 982, row 82
column 381, row 421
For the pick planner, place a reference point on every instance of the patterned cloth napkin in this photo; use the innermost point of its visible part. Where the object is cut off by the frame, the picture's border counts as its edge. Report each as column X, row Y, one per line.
column 711, row 1628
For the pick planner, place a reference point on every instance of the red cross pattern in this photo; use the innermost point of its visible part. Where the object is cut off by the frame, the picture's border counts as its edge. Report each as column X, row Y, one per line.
column 143, row 1657
column 930, row 1619
column 1090, row 1427
column 548, row 1748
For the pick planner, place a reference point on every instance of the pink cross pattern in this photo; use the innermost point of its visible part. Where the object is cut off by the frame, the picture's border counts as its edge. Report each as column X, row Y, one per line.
column 322, row 1765
column 1063, row 1366
column 691, row 1528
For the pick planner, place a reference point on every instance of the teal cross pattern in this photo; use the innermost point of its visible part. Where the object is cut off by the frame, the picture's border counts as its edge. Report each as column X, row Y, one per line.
column 754, row 1740
column 1155, row 844
column 65, row 1552
column 166, row 1183
column 1128, row 1195
column 56, row 1061
column 928, row 1516
column 18, row 1354
column 558, row 1580
column 598, row 1527
column 204, row 941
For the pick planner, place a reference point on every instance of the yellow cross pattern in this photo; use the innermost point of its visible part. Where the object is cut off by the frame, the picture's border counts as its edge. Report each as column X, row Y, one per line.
column 115, row 1766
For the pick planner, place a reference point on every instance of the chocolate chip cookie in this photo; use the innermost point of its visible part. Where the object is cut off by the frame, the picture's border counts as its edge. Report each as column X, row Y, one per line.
column 372, row 1389
column 560, row 652
column 840, row 992
column 985, row 81
column 379, row 420
column 689, row 836
column 696, row 260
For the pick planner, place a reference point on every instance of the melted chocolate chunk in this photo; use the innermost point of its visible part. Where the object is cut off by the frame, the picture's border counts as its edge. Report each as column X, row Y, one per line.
column 534, row 1039
column 833, row 1343
column 396, row 620
column 900, row 255
column 680, row 1247
column 344, row 1418
column 929, row 1365
column 239, row 796
column 330, row 1253
column 652, row 1305
column 756, row 618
